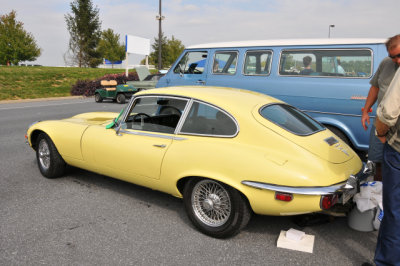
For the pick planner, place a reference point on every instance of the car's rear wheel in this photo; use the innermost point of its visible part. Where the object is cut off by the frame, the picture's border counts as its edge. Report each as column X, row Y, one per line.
column 214, row 208
column 98, row 98
column 121, row 98
column 50, row 162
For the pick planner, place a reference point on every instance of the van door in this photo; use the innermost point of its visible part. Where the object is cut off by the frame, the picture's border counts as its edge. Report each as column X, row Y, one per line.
column 191, row 69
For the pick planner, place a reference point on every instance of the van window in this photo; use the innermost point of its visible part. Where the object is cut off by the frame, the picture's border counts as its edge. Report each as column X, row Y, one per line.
column 257, row 63
column 192, row 63
column 326, row 63
column 225, row 62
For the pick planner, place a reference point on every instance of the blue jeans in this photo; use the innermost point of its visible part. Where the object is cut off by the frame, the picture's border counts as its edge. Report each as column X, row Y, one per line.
column 375, row 149
column 388, row 246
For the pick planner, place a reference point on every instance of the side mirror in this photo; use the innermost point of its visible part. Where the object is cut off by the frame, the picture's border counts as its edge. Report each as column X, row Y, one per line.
column 112, row 124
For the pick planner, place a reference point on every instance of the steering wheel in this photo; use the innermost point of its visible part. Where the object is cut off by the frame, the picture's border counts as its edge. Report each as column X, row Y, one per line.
column 141, row 114
column 170, row 110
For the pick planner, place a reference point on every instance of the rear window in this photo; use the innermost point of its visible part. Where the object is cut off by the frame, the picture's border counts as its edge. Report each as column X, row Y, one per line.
column 290, row 119
column 351, row 63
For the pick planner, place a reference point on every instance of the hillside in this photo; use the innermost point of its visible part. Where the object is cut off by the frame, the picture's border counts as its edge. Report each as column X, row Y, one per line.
column 19, row 82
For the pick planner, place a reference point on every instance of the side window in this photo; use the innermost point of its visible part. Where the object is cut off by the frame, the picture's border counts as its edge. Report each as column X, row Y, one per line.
column 156, row 114
column 204, row 119
column 192, row 63
column 257, row 63
column 225, row 62
column 326, row 63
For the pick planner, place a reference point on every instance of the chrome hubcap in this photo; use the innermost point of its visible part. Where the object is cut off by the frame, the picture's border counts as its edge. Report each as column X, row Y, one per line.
column 211, row 203
column 44, row 154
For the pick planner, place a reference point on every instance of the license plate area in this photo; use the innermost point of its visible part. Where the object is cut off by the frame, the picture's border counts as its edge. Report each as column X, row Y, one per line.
column 347, row 195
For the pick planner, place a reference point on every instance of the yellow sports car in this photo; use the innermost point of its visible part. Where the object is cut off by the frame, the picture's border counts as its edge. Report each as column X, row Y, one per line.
column 226, row 152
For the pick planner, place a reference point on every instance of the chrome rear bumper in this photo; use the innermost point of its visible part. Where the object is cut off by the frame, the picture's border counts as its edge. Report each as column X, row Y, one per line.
column 350, row 187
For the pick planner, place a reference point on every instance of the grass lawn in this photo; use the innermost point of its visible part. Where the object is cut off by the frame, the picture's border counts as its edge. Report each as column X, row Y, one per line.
column 20, row 82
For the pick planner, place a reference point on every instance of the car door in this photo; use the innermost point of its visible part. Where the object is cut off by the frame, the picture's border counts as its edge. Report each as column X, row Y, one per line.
column 136, row 149
column 190, row 70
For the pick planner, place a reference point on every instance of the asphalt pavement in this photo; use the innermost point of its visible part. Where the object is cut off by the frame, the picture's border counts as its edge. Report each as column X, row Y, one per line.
column 89, row 219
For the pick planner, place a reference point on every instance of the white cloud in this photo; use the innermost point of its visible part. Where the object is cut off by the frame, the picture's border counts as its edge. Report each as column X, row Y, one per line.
column 194, row 22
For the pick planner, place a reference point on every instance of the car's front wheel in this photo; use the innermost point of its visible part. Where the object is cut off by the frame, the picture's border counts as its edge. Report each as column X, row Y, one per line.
column 50, row 162
column 214, row 208
column 98, row 98
column 121, row 98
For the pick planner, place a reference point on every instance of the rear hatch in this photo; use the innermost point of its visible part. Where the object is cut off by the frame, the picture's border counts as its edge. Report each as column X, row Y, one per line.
column 302, row 130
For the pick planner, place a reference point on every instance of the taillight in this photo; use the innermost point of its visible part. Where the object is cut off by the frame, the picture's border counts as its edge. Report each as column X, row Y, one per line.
column 283, row 196
column 328, row 201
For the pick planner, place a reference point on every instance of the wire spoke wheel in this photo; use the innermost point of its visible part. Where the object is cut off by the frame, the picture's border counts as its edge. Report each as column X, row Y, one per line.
column 211, row 203
column 44, row 154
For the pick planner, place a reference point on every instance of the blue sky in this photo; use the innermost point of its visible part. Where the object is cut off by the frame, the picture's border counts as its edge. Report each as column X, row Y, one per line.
column 195, row 22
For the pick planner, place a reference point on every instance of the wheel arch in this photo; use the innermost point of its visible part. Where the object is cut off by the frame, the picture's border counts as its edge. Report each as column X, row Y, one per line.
column 34, row 137
column 180, row 184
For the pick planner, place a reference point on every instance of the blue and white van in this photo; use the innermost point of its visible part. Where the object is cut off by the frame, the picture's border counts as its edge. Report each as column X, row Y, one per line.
column 326, row 78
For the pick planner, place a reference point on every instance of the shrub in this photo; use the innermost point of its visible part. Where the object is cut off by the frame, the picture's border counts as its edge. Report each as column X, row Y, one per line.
column 88, row 87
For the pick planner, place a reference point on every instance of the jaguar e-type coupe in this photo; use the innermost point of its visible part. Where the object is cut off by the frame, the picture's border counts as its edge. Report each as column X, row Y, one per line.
column 226, row 152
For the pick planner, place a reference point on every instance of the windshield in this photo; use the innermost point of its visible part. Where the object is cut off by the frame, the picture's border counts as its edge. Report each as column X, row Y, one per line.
column 290, row 119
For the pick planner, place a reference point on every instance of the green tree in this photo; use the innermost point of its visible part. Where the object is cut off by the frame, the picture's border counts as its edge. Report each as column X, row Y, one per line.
column 16, row 44
column 170, row 50
column 84, row 27
column 110, row 48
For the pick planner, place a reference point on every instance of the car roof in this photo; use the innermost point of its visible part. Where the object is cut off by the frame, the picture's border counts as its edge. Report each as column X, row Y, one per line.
column 289, row 42
column 227, row 98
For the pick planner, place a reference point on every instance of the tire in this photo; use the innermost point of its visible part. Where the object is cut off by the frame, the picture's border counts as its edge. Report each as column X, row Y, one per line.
column 98, row 98
column 214, row 208
column 339, row 133
column 121, row 98
column 50, row 162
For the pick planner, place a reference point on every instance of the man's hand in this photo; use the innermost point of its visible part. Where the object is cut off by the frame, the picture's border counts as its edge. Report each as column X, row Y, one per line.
column 365, row 120
column 382, row 139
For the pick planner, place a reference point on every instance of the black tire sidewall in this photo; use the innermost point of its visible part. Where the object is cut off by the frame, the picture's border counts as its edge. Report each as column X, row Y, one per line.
column 57, row 164
column 121, row 98
column 234, row 222
column 98, row 98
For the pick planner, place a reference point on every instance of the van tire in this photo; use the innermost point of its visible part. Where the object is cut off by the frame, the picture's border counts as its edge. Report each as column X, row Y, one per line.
column 339, row 133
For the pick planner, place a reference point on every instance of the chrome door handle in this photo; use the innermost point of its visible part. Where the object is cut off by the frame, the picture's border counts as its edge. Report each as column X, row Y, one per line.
column 202, row 82
column 160, row 145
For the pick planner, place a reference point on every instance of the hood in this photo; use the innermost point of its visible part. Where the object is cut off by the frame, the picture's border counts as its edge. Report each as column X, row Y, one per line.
column 93, row 118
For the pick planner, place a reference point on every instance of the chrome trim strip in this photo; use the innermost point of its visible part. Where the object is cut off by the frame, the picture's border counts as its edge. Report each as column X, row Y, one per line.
column 184, row 114
column 296, row 190
column 351, row 184
column 329, row 113
column 154, row 135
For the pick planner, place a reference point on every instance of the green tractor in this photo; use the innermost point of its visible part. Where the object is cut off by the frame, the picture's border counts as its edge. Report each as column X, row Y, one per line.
column 110, row 90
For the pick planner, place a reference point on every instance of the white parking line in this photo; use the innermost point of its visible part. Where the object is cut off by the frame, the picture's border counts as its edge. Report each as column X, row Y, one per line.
column 44, row 105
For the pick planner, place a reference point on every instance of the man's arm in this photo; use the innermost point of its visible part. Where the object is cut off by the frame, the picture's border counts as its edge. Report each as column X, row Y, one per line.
column 388, row 110
column 371, row 99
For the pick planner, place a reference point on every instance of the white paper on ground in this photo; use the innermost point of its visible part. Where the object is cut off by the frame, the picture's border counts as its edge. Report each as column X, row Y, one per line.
column 306, row 244
column 294, row 234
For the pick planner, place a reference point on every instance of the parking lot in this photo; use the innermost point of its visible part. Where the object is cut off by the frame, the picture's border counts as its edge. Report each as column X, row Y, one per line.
column 87, row 219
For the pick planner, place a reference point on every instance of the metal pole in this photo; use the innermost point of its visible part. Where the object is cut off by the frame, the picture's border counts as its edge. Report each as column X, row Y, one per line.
column 329, row 29
column 159, row 37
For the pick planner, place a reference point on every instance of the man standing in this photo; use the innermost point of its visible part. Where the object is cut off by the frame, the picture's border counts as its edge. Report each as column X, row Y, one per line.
column 379, row 84
column 388, row 131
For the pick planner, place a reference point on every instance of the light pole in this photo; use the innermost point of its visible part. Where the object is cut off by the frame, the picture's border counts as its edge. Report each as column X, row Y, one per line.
column 159, row 18
column 329, row 29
